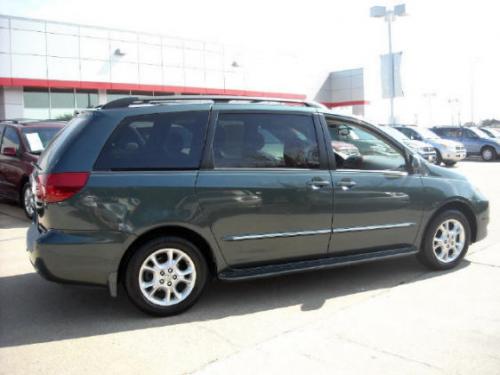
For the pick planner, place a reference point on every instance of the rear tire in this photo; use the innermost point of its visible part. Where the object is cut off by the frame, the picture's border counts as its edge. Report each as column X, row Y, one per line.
column 26, row 200
column 488, row 153
column 450, row 163
column 166, row 276
column 446, row 241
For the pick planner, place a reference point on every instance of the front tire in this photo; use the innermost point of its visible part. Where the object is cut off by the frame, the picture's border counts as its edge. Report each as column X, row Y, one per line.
column 446, row 240
column 488, row 153
column 439, row 158
column 450, row 163
column 166, row 276
column 26, row 200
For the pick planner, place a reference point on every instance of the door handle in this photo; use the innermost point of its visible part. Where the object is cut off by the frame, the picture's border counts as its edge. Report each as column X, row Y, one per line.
column 317, row 183
column 346, row 184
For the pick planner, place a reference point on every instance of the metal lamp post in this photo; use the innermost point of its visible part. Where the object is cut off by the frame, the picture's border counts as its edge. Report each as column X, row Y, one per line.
column 389, row 16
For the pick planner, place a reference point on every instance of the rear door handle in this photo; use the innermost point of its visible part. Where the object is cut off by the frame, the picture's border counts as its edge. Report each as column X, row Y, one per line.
column 318, row 183
column 346, row 184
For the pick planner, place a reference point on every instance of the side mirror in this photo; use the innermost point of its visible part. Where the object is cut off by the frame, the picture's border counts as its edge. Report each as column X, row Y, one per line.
column 344, row 132
column 9, row 151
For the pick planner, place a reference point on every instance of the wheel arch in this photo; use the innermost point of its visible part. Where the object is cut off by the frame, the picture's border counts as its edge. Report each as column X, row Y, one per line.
column 460, row 206
column 484, row 147
column 175, row 231
column 22, row 182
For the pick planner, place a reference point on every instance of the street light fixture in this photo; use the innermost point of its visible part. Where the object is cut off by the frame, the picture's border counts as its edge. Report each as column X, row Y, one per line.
column 389, row 16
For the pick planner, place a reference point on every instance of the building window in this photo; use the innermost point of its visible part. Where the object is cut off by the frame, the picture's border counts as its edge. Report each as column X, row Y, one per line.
column 62, row 103
column 36, row 103
column 55, row 103
column 86, row 99
column 142, row 93
column 116, row 94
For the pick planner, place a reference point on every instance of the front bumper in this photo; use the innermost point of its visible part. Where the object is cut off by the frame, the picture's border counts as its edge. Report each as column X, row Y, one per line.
column 453, row 155
column 77, row 257
column 429, row 156
column 482, row 221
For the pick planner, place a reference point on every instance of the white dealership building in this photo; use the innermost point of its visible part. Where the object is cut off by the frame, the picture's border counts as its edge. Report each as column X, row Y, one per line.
column 50, row 69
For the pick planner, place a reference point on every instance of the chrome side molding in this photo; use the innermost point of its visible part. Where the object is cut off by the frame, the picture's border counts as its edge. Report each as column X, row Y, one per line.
column 244, row 237
column 372, row 227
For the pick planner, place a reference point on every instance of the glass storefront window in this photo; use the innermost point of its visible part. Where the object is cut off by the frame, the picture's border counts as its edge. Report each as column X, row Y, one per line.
column 36, row 98
column 86, row 98
column 142, row 93
column 116, row 94
column 62, row 98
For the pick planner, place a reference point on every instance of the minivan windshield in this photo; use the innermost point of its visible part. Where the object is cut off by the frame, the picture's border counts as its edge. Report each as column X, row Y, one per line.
column 38, row 138
column 426, row 133
column 394, row 133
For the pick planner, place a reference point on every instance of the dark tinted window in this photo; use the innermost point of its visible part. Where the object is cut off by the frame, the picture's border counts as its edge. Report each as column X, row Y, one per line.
column 451, row 133
column 158, row 141
column 10, row 138
column 265, row 141
column 55, row 148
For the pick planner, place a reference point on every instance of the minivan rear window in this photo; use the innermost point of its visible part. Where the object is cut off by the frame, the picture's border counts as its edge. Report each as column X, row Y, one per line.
column 156, row 142
column 54, row 147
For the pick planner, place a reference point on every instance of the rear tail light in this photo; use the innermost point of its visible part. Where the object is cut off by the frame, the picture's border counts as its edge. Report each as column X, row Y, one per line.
column 57, row 187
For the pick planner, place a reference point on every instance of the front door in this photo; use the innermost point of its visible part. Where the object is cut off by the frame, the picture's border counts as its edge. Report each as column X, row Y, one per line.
column 266, row 196
column 471, row 141
column 376, row 199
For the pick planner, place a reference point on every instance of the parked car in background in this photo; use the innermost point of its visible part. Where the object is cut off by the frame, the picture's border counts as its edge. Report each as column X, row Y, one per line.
column 491, row 132
column 424, row 149
column 21, row 142
column 164, row 194
column 475, row 141
column 447, row 151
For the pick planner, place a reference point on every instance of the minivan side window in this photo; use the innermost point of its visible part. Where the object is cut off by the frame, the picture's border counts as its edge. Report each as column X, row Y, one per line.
column 356, row 147
column 10, row 138
column 470, row 134
column 452, row 133
column 167, row 141
column 260, row 140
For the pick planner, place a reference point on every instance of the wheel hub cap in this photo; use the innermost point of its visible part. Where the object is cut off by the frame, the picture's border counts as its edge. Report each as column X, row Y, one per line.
column 167, row 277
column 449, row 240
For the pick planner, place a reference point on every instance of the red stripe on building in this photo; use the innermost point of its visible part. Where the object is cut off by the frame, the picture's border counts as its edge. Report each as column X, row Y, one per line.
column 346, row 103
column 28, row 82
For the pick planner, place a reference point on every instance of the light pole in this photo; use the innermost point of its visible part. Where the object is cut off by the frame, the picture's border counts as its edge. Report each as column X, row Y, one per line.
column 389, row 16
column 454, row 107
column 429, row 96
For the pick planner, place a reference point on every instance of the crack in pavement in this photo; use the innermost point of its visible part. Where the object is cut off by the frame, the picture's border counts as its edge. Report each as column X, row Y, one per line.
column 484, row 264
column 393, row 354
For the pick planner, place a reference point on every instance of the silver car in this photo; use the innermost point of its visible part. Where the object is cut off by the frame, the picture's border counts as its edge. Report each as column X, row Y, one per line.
column 425, row 150
column 447, row 151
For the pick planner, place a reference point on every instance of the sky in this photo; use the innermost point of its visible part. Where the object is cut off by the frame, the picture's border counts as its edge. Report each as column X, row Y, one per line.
column 450, row 65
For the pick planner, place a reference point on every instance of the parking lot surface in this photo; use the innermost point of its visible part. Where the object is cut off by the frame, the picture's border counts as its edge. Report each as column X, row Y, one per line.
column 392, row 317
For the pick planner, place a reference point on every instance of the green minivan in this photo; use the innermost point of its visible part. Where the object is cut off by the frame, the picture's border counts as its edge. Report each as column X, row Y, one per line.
column 163, row 194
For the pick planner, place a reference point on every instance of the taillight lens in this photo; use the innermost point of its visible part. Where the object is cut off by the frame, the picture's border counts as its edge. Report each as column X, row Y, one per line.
column 57, row 187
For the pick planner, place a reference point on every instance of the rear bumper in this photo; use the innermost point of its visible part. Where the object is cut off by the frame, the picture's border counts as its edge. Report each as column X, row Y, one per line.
column 85, row 257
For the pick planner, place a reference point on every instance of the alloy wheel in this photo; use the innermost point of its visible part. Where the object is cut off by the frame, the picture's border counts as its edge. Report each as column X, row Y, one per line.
column 167, row 277
column 28, row 201
column 449, row 240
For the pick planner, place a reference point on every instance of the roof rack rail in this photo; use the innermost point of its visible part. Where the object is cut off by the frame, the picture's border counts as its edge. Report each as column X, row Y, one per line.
column 175, row 99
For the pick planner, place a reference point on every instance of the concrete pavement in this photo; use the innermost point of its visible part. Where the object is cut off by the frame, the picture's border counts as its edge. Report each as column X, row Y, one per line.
column 386, row 317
